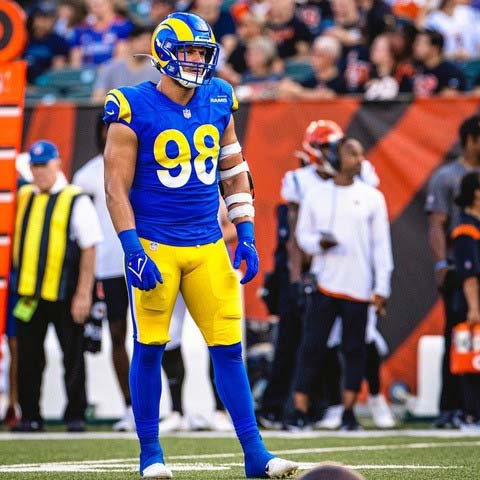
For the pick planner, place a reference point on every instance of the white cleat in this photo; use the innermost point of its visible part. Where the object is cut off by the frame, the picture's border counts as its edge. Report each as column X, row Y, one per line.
column 332, row 418
column 157, row 470
column 221, row 422
column 173, row 422
column 126, row 423
column 281, row 468
column 381, row 413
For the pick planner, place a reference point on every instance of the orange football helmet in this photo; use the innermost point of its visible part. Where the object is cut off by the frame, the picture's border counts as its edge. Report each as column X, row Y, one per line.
column 320, row 143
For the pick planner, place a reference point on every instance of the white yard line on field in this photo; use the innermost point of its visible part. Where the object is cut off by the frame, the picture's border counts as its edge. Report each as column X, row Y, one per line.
column 109, row 466
column 265, row 434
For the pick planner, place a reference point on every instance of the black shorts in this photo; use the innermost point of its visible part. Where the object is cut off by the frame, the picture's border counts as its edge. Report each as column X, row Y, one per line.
column 116, row 298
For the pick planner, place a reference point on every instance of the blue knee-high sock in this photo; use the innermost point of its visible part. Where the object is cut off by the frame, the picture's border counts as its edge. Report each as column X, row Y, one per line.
column 234, row 390
column 145, row 390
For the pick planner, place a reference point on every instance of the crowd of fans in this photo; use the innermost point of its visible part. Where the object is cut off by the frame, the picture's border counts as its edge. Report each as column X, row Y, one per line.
column 289, row 49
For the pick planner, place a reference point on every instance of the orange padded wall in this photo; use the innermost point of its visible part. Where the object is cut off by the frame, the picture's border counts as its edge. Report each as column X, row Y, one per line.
column 12, row 95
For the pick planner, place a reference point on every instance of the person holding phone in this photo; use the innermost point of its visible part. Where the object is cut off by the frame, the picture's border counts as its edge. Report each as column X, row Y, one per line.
column 343, row 224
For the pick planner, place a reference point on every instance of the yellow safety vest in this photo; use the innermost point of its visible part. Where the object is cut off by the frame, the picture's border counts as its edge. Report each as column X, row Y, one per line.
column 44, row 258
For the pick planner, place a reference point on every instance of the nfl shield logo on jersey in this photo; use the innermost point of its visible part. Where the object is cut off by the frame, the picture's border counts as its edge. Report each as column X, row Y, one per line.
column 187, row 113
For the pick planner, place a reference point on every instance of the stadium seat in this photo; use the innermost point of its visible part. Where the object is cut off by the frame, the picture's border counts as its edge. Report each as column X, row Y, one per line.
column 471, row 70
column 298, row 71
column 68, row 81
column 45, row 93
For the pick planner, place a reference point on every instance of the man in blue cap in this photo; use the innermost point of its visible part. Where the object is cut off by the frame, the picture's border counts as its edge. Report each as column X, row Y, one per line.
column 56, row 230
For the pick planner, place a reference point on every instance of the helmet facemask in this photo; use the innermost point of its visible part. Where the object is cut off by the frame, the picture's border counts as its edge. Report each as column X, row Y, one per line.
column 189, row 74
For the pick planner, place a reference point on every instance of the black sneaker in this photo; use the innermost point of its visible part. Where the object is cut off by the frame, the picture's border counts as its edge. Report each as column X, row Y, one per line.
column 445, row 420
column 350, row 422
column 270, row 420
column 25, row 426
column 298, row 422
column 76, row 426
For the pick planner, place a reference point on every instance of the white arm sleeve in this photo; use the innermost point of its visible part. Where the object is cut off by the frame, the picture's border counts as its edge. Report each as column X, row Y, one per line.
column 307, row 237
column 84, row 224
column 382, row 247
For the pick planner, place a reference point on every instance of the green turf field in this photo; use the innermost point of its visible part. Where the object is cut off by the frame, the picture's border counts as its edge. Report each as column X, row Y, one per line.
column 400, row 457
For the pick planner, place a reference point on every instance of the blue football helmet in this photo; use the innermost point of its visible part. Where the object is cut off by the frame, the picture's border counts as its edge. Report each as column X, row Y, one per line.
column 170, row 41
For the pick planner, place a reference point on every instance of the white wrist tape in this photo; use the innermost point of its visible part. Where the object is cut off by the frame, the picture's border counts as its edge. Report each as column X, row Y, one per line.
column 228, row 150
column 241, row 211
column 238, row 198
column 231, row 172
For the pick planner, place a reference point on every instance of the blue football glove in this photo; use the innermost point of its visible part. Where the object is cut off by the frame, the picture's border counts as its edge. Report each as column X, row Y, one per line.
column 246, row 251
column 141, row 271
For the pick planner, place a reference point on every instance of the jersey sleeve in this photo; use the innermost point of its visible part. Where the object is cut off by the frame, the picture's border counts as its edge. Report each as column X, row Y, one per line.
column 224, row 89
column 465, row 246
column 117, row 108
column 234, row 100
column 438, row 194
column 291, row 188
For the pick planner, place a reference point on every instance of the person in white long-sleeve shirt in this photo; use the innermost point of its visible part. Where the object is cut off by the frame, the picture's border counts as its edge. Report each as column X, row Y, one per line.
column 343, row 224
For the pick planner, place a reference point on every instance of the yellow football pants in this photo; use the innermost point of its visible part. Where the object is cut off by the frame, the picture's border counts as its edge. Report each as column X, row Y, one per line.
column 209, row 286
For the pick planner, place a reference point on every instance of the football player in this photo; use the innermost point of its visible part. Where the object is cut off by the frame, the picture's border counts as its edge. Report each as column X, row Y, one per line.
column 168, row 145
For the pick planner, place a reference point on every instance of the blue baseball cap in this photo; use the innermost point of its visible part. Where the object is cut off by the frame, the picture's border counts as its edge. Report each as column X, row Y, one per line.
column 42, row 152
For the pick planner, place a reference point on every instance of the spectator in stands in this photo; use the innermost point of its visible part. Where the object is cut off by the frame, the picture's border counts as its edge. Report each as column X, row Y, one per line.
column 70, row 14
column 434, row 75
column 460, row 27
column 347, row 26
column 388, row 77
column 45, row 49
column 99, row 39
column 316, row 14
column 54, row 274
column 219, row 19
column 347, row 30
column 128, row 70
column 260, row 56
column 376, row 18
column 292, row 36
column 348, row 236
column 259, row 82
column 443, row 217
column 159, row 9
column 249, row 26
column 327, row 81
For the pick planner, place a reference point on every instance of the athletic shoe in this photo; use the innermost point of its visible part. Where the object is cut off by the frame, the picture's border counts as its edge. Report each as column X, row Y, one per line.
column 76, row 426
column 126, row 423
column 28, row 426
column 349, row 422
column 157, row 470
column 332, row 419
column 172, row 423
column 281, row 468
column 221, row 422
column 298, row 422
column 446, row 420
column 196, row 422
column 381, row 413
column 270, row 420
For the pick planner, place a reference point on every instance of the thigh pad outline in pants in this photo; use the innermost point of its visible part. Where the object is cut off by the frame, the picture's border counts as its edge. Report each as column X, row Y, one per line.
column 152, row 310
column 211, row 290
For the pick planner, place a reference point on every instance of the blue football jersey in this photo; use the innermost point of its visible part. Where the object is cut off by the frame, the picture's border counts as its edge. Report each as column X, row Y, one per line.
column 174, row 194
